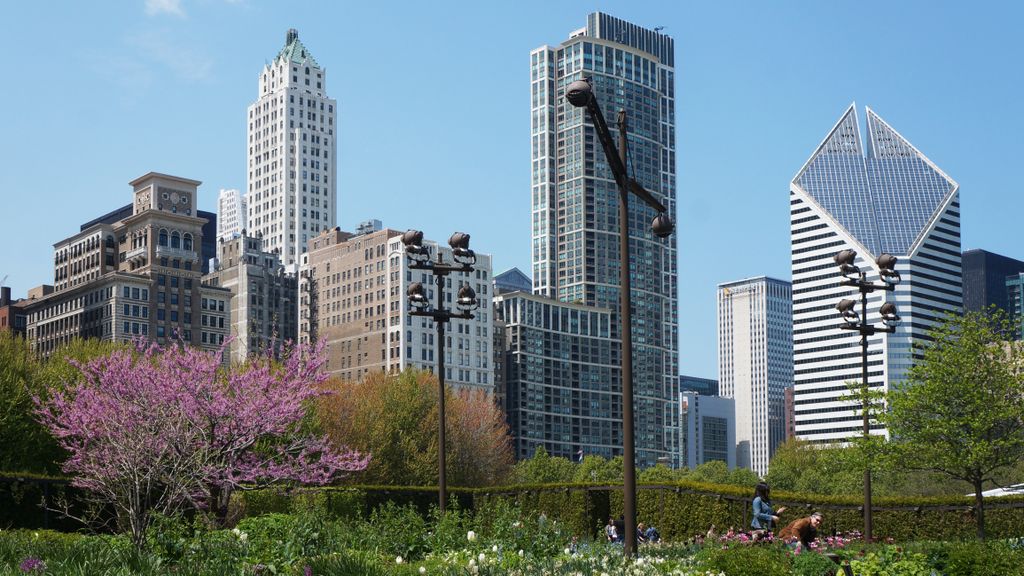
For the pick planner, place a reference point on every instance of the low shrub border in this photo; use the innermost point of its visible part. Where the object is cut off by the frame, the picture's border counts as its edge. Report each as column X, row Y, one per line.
column 679, row 510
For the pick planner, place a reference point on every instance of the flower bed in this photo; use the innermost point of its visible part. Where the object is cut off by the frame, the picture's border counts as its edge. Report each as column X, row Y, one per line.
column 398, row 541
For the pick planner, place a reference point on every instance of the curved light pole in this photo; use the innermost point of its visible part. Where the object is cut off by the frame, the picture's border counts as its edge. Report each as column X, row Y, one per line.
column 854, row 276
column 419, row 259
column 581, row 95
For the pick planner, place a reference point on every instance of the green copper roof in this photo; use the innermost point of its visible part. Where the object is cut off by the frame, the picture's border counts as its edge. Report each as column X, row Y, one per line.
column 295, row 51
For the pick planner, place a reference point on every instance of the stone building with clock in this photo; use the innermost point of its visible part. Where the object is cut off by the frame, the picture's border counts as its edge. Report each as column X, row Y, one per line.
column 137, row 276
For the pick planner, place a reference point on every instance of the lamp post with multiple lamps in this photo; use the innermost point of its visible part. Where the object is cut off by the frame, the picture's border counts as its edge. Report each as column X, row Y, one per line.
column 857, row 278
column 463, row 260
column 581, row 95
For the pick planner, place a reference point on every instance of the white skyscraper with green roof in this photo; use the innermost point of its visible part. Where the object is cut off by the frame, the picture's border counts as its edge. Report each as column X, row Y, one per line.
column 291, row 191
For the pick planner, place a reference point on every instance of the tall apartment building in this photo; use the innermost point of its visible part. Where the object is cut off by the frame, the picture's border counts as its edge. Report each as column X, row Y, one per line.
column 755, row 363
column 562, row 376
column 231, row 214
column 264, row 299
column 887, row 199
column 575, row 248
column 707, row 427
column 291, row 195
column 353, row 294
column 136, row 277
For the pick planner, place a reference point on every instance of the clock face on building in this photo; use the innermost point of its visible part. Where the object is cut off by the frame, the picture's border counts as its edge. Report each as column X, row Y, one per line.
column 144, row 200
column 174, row 197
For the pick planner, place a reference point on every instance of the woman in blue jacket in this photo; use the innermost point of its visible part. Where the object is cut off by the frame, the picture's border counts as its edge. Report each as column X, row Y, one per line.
column 764, row 518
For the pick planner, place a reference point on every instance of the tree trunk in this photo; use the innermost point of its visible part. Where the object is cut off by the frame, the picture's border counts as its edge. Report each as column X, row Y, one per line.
column 979, row 509
column 219, row 498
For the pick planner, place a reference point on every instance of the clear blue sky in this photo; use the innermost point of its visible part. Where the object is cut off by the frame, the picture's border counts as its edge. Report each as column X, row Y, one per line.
column 434, row 114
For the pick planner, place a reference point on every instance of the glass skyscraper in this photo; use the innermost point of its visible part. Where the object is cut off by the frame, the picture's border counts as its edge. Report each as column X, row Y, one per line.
column 889, row 198
column 575, row 248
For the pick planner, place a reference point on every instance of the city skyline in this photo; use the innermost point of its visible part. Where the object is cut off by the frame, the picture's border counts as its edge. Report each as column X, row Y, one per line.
column 749, row 110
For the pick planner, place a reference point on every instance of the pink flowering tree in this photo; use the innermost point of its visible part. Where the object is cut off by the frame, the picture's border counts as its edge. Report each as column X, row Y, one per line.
column 162, row 430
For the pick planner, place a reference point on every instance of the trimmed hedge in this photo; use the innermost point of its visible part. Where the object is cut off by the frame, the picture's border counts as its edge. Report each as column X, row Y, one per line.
column 679, row 510
column 22, row 496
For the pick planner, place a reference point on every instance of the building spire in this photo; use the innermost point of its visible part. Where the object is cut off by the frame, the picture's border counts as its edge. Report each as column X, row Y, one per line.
column 291, row 36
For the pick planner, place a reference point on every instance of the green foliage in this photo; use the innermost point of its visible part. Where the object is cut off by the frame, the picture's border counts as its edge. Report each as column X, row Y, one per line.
column 27, row 445
column 347, row 563
column 280, row 544
column 396, row 531
column 960, row 410
column 657, row 474
column 713, row 472
column 890, row 561
column 972, row 558
column 545, row 469
column 799, row 466
column 813, row 564
column 745, row 560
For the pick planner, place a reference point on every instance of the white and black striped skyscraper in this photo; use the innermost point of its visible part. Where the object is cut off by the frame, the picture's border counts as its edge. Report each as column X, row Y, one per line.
column 887, row 198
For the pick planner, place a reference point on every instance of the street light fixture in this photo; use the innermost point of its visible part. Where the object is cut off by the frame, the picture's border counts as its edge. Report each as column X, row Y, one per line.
column 854, row 276
column 418, row 257
column 581, row 95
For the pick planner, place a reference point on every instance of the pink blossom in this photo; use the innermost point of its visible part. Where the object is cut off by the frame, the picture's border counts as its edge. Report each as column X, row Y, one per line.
column 161, row 428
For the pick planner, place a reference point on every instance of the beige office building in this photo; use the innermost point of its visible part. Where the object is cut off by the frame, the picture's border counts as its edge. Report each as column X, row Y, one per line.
column 134, row 277
column 352, row 292
column 263, row 296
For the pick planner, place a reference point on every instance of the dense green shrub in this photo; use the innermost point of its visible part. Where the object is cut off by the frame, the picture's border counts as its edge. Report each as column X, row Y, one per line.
column 972, row 558
column 890, row 561
column 395, row 530
column 745, row 560
column 812, row 564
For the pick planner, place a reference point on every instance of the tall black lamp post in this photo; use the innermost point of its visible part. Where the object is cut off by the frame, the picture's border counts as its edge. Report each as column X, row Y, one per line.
column 857, row 278
column 581, row 95
column 419, row 259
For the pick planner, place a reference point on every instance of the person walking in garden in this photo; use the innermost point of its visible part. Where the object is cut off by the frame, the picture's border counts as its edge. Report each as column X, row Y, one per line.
column 610, row 532
column 803, row 531
column 764, row 518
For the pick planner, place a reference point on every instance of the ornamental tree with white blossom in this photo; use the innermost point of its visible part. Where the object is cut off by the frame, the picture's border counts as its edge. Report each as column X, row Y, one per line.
column 165, row 429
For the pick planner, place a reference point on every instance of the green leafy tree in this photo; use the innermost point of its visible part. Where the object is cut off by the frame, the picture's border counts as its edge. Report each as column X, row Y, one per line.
column 543, row 468
column 27, row 445
column 657, row 474
column 961, row 411
column 713, row 472
column 21, row 436
column 743, row 477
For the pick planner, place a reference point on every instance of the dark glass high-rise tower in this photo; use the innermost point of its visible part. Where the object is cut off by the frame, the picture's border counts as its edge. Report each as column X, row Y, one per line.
column 575, row 212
